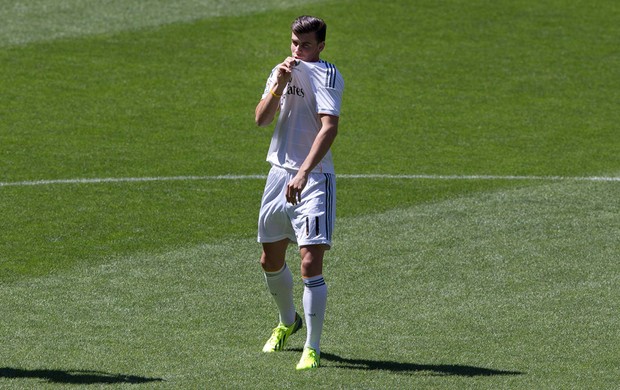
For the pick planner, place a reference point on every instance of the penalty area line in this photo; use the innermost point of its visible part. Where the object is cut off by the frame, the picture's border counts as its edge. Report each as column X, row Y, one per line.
column 340, row 176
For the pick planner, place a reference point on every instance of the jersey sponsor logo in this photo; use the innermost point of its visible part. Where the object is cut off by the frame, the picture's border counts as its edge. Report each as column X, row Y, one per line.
column 294, row 90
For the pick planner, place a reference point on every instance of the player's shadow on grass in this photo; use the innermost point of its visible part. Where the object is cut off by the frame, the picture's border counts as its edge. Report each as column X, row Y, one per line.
column 74, row 376
column 431, row 369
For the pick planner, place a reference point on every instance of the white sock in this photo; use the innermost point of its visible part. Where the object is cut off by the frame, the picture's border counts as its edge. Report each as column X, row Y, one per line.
column 315, row 301
column 280, row 284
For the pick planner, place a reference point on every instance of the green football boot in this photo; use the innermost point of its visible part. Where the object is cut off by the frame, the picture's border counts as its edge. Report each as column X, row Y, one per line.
column 280, row 334
column 309, row 360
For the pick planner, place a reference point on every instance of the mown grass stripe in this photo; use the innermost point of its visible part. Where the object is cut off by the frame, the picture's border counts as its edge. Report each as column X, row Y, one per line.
column 43, row 20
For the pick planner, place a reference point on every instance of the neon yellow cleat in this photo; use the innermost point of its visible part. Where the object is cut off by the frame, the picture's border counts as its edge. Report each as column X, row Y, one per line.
column 281, row 333
column 309, row 360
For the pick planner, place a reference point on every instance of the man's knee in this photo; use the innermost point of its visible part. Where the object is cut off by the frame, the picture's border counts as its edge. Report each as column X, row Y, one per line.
column 273, row 256
column 271, row 264
column 312, row 260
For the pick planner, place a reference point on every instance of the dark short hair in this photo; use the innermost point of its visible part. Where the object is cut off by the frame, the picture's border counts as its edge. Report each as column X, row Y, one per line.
column 308, row 24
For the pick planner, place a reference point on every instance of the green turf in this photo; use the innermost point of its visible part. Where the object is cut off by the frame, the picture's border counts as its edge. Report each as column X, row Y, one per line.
column 434, row 283
column 44, row 20
column 477, row 292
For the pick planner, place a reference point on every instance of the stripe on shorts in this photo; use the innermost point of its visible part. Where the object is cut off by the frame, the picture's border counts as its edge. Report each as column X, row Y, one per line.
column 329, row 197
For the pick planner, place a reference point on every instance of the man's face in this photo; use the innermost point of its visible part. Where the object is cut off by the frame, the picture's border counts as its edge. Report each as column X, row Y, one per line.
column 306, row 47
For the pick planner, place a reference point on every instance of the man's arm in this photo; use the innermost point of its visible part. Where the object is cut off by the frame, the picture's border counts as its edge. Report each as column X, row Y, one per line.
column 266, row 109
column 323, row 141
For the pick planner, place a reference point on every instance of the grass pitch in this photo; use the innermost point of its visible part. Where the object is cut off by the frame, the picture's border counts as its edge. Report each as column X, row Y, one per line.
column 438, row 282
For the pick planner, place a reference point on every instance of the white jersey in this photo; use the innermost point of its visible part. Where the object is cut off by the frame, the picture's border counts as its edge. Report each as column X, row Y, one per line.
column 315, row 88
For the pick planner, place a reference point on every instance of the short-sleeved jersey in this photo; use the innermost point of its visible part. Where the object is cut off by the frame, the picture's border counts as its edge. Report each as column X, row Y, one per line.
column 315, row 88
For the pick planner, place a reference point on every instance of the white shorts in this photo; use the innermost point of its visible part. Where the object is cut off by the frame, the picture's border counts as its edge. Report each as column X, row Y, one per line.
column 310, row 222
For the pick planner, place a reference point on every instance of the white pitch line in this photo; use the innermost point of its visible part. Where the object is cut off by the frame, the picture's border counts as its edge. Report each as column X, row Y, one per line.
column 482, row 177
column 343, row 176
column 127, row 179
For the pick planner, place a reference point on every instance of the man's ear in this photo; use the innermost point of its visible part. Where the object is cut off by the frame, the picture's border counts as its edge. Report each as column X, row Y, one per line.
column 321, row 46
